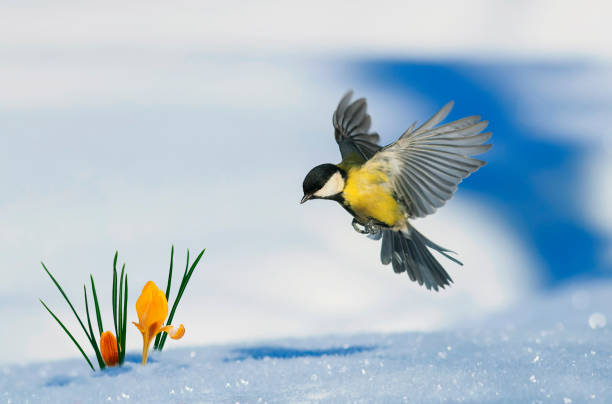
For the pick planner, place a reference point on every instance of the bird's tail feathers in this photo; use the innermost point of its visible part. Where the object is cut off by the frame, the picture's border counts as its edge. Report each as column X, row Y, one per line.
column 444, row 251
column 408, row 251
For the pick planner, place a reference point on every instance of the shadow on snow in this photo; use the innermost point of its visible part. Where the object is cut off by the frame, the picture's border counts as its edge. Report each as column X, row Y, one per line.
column 277, row 352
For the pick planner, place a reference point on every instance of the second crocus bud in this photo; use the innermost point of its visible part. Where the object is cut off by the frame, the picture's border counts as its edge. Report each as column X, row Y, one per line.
column 108, row 348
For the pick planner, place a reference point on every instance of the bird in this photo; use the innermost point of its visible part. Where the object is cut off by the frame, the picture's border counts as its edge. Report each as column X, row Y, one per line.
column 385, row 188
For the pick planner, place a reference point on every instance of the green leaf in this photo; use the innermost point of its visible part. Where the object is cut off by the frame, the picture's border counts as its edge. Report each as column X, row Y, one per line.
column 186, row 264
column 158, row 336
column 92, row 340
column 120, row 310
column 67, row 301
column 170, row 272
column 97, row 306
column 70, row 335
column 124, row 330
column 115, row 293
column 193, row 267
column 184, row 282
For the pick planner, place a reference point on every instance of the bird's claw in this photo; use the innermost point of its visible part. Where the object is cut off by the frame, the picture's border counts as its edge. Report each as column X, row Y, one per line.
column 356, row 224
column 369, row 228
column 372, row 228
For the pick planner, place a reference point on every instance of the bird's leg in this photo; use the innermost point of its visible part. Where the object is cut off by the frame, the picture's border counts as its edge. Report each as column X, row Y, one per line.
column 356, row 224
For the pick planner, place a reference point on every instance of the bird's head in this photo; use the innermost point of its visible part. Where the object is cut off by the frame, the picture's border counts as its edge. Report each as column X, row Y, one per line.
column 323, row 182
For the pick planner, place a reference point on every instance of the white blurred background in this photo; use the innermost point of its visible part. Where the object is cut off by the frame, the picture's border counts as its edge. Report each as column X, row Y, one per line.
column 133, row 126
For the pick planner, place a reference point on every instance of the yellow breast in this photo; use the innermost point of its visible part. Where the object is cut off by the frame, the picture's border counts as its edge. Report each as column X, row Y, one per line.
column 367, row 193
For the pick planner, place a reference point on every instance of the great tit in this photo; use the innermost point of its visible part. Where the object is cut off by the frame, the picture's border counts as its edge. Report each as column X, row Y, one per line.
column 384, row 187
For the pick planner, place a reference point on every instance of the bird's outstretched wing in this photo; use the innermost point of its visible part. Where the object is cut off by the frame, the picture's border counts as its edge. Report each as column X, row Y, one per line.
column 426, row 164
column 351, row 126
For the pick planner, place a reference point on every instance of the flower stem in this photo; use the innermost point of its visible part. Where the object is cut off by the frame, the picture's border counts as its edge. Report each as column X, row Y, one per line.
column 146, row 341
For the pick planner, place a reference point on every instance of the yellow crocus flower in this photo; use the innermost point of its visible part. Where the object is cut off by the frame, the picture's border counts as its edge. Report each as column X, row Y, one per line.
column 152, row 310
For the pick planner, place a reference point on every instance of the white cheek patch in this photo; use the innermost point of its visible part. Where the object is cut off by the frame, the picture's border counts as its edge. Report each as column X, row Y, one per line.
column 333, row 186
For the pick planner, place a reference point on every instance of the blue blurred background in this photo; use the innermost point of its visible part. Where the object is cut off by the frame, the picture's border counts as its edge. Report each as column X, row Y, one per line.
column 534, row 178
column 134, row 126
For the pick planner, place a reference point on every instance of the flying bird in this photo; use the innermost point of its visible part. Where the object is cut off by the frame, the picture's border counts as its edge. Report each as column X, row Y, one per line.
column 383, row 188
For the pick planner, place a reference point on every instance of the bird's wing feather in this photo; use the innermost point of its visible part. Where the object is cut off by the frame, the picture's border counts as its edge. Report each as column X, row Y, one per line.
column 426, row 164
column 351, row 129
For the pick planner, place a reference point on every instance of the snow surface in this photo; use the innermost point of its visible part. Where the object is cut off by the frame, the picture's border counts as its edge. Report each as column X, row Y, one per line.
column 556, row 348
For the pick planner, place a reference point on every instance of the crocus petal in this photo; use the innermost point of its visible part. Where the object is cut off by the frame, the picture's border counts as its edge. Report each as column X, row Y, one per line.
column 108, row 348
column 140, row 328
column 154, row 329
column 174, row 332
column 151, row 307
column 144, row 300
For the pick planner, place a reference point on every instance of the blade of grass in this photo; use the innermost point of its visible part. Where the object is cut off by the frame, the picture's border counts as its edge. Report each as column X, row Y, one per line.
column 119, row 304
column 170, row 272
column 185, row 280
column 120, row 309
column 115, row 292
column 163, row 336
column 70, row 335
column 93, row 342
column 97, row 306
column 158, row 336
column 193, row 267
column 186, row 264
column 67, row 301
column 124, row 331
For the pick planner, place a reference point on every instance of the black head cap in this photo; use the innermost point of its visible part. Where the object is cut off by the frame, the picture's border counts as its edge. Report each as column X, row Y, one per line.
column 316, row 179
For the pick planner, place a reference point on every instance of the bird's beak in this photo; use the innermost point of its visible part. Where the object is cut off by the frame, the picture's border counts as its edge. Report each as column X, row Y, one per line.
column 305, row 198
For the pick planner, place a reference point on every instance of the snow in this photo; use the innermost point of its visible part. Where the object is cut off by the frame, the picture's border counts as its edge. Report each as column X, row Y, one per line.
column 554, row 348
